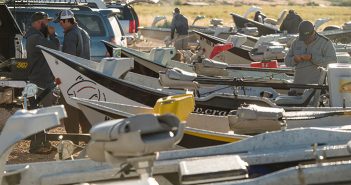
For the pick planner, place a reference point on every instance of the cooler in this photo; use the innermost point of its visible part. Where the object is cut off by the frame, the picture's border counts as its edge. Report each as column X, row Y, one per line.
column 339, row 81
column 270, row 64
column 180, row 105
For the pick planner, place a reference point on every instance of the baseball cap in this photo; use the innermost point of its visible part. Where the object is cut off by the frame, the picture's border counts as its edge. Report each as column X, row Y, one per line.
column 39, row 16
column 306, row 29
column 64, row 14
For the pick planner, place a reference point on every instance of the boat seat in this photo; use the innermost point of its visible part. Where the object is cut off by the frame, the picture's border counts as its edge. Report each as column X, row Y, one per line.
column 346, row 26
column 253, row 119
column 214, row 64
column 178, row 74
column 201, row 69
column 162, row 55
column 178, row 79
column 258, row 112
column 295, row 100
column 237, row 40
column 216, row 22
column 310, row 97
column 115, row 67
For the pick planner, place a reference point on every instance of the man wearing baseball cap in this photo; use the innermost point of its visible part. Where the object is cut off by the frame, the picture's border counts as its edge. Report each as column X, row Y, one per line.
column 39, row 72
column 307, row 53
column 76, row 42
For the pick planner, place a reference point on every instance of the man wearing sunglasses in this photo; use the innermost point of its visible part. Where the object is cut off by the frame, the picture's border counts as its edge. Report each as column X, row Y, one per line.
column 307, row 53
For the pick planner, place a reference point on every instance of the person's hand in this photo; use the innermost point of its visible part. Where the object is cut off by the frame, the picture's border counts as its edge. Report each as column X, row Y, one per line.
column 306, row 57
column 51, row 30
column 297, row 58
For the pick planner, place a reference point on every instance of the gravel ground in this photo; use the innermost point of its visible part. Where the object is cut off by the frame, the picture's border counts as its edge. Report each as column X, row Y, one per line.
column 20, row 152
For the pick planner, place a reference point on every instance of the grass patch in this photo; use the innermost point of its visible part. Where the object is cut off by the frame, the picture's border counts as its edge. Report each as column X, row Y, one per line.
column 338, row 14
column 340, row 2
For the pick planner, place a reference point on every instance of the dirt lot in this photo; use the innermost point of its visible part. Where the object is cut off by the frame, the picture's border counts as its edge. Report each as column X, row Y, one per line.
column 20, row 152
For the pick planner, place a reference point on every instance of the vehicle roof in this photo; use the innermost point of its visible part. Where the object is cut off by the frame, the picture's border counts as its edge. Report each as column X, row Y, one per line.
column 73, row 8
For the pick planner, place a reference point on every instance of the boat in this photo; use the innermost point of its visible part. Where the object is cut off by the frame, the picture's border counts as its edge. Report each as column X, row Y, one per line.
column 265, row 158
column 253, row 119
column 201, row 130
column 238, row 54
column 84, row 81
column 148, row 64
column 337, row 36
column 106, row 84
column 247, row 120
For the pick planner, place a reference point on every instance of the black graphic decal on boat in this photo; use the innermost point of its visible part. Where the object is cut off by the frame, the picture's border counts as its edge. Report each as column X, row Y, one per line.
column 86, row 88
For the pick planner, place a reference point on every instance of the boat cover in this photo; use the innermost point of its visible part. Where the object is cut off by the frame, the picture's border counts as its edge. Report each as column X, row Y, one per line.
column 259, row 112
column 201, row 69
column 214, row 64
column 178, row 74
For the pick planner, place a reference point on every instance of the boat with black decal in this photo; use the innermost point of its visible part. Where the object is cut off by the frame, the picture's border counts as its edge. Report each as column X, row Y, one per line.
column 102, row 81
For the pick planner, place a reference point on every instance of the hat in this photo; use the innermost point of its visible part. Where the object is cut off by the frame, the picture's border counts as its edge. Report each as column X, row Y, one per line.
column 64, row 14
column 306, row 29
column 40, row 16
column 176, row 10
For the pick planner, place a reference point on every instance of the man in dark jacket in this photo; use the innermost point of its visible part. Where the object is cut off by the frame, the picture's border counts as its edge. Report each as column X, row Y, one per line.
column 39, row 72
column 76, row 42
column 291, row 23
column 179, row 24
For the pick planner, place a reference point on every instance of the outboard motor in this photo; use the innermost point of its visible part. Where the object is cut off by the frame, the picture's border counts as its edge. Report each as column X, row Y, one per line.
column 134, row 141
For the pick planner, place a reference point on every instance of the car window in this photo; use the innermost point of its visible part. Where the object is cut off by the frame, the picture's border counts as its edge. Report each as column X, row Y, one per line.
column 115, row 26
column 125, row 14
column 92, row 24
column 23, row 19
column 121, row 14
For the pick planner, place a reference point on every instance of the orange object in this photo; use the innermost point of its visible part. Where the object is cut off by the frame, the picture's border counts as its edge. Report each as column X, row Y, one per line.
column 270, row 64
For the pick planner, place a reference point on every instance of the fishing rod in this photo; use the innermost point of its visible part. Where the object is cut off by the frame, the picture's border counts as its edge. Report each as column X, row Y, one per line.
column 240, row 82
column 272, row 70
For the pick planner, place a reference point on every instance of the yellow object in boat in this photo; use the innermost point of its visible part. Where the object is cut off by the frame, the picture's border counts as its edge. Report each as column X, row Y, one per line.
column 180, row 105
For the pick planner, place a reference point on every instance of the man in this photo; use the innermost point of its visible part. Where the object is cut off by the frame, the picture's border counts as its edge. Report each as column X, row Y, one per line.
column 39, row 72
column 76, row 42
column 291, row 22
column 308, row 52
column 259, row 17
column 179, row 24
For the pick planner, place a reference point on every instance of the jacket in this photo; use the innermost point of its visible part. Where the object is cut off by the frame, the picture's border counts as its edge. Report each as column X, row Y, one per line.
column 323, row 53
column 73, row 41
column 179, row 23
column 38, row 70
column 86, row 44
column 291, row 23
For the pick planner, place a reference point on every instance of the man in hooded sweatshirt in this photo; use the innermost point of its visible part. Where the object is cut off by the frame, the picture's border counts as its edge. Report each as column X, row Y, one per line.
column 39, row 72
column 291, row 23
column 76, row 42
